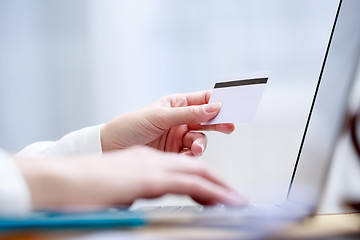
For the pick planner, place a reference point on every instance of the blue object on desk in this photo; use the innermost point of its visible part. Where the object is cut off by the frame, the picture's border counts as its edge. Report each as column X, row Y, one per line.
column 60, row 220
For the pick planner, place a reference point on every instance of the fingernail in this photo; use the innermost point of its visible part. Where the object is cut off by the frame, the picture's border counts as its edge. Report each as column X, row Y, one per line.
column 201, row 146
column 235, row 199
column 212, row 107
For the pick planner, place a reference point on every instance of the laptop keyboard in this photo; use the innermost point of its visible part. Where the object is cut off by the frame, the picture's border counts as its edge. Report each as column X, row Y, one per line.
column 213, row 211
column 168, row 209
column 246, row 213
column 196, row 211
column 179, row 209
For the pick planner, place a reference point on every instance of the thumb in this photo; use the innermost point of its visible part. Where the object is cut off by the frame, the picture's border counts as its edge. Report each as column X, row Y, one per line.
column 176, row 116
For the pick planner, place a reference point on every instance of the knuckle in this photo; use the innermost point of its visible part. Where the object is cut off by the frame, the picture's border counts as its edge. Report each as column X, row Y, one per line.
column 203, row 169
column 193, row 112
column 152, row 184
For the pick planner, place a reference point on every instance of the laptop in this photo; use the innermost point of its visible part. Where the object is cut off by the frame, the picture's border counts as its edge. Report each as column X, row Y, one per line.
column 322, row 129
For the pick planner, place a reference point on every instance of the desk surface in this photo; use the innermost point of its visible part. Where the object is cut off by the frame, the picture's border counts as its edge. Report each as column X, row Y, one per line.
column 319, row 227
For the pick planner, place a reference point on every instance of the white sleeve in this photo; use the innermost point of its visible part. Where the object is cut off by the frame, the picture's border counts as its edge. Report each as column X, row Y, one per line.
column 14, row 193
column 86, row 140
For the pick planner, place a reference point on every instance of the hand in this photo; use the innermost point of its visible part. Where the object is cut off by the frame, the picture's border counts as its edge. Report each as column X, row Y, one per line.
column 168, row 125
column 119, row 178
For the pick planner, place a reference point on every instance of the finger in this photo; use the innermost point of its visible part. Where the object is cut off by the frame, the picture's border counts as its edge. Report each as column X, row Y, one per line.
column 172, row 162
column 201, row 189
column 196, row 141
column 186, row 152
column 188, row 165
column 222, row 127
column 174, row 138
column 183, row 175
column 197, row 98
column 166, row 118
column 205, row 202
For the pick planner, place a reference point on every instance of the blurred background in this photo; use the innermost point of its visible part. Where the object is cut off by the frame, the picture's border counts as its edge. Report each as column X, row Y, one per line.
column 69, row 64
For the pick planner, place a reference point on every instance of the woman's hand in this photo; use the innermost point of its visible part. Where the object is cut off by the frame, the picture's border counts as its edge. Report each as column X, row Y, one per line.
column 171, row 124
column 119, row 178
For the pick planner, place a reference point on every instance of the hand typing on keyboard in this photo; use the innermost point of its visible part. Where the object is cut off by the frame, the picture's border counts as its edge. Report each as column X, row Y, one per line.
column 119, row 178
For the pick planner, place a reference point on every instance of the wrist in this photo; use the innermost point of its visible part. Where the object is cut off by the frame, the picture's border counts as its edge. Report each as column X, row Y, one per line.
column 109, row 138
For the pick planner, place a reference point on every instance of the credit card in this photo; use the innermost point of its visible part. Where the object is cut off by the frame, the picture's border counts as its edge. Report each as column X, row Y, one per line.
column 240, row 96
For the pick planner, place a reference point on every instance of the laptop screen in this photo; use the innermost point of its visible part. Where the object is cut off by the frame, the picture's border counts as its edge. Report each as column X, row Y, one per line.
column 327, row 112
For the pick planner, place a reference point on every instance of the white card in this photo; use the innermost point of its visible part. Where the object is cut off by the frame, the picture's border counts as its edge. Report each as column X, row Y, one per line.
column 240, row 97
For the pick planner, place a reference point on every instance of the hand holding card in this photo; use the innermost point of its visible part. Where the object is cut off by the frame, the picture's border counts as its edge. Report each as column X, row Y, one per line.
column 240, row 97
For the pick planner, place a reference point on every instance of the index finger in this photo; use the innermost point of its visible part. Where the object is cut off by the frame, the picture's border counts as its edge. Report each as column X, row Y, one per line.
column 198, row 98
column 200, row 188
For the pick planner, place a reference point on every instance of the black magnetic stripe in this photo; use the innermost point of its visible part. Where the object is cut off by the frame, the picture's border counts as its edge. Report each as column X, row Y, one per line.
column 236, row 83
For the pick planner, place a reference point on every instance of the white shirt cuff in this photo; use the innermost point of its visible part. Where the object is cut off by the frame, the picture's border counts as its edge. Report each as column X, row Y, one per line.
column 83, row 141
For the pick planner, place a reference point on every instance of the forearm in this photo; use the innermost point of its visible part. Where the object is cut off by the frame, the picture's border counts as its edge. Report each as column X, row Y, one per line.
column 51, row 182
column 74, row 182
